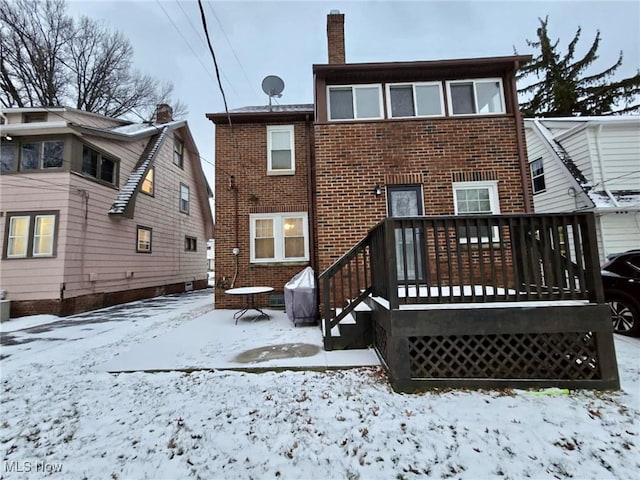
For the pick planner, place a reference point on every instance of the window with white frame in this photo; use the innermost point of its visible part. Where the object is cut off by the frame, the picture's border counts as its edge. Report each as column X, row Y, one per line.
column 537, row 175
column 415, row 100
column 184, row 198
column 279, row 237
column 280, row 150
column 30, row 235
column 475, row 97
column 351, row 102
column 476, row 198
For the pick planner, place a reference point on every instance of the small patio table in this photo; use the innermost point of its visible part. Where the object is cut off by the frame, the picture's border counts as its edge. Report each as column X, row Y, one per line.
column 249, row 293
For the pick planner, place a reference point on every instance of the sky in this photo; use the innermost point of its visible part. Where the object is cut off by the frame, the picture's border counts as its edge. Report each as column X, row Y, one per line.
column 254, row 39
column 62, row 412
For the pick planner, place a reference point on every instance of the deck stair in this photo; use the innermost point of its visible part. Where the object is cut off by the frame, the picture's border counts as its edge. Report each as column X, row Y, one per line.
column 355, row 330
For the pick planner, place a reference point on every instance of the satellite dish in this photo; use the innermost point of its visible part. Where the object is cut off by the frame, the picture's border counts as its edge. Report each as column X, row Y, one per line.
column 272, row 86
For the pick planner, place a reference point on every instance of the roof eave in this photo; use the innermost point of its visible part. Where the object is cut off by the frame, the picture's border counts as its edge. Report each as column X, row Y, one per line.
column 500, row 63
column 222, row 118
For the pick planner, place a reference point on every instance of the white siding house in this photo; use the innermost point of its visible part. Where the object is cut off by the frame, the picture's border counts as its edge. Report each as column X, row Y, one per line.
column 589, row 164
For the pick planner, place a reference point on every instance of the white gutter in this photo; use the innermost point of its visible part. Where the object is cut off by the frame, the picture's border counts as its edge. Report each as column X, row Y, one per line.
column 601, row 168
column 32, row 127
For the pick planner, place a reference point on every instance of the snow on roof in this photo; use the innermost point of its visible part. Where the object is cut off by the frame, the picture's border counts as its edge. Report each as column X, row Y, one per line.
column 592, row 119
column 129, row 189
column 624, row 198
column 562, row 154
column 301, row 107
column 141, row 128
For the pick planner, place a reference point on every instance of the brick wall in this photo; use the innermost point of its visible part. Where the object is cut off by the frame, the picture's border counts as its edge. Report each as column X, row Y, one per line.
column 255, row 193
column 351, row 158
column 335, row 37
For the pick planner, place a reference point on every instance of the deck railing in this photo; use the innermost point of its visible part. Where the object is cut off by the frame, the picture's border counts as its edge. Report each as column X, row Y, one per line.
column 467, row 259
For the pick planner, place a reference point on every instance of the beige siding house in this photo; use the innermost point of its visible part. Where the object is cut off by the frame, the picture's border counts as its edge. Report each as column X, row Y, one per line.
column 98, row 211
column 589, row 164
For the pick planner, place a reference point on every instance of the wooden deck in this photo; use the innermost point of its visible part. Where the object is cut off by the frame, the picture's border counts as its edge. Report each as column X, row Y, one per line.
column 522, row 306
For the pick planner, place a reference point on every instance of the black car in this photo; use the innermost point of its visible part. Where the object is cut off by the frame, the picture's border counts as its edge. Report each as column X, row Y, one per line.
column 621, row 281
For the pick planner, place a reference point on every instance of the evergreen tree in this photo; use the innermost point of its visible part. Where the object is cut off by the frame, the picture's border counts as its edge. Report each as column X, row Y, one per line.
column 562, row 86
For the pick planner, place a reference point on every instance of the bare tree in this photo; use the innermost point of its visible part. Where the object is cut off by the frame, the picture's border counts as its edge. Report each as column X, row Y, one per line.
column 33, row 38
column 49, row 59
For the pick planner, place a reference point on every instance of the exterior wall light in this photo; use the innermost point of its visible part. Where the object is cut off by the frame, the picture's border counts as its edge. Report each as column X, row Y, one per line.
column 377, row 190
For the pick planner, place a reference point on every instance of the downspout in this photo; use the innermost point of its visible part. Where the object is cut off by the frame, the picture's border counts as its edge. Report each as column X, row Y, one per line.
column 524, row 167
column 311, row 195
column 601, row 168
column 234, row 189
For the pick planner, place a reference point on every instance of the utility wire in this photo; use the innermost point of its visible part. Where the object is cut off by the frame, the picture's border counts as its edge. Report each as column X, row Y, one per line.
column 185, row 39
column 215, row 62
column 246, row 76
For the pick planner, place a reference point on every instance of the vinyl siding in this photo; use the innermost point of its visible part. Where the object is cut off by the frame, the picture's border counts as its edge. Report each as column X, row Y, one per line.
column 34, row 278
column 579, row 148
column 90, row 241
column 618, row 232
column 108, row 243
column 620, row 152
column 557, row 196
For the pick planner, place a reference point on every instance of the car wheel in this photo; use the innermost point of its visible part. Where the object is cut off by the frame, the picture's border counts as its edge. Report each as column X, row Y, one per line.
column 624, row 317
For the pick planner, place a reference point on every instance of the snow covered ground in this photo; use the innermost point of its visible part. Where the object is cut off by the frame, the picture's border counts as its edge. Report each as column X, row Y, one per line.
column 62, row 415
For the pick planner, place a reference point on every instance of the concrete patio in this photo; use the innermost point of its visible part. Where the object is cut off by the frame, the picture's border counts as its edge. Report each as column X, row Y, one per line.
column 214, row 341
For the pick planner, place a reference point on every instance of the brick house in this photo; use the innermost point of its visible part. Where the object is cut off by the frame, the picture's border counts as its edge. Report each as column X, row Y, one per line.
column 405, row 185
column 98, row 211
column 378, row 136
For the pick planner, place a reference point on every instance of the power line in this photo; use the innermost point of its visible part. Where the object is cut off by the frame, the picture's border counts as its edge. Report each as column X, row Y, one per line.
column 185, row 39
column 246, row 76
column 215, row 62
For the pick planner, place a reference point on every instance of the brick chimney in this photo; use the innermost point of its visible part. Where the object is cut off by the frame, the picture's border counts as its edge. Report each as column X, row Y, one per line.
column 335, row 36
column 164, row 113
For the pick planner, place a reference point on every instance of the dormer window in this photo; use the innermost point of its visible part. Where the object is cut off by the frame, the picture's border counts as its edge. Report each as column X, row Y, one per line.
column 349, row 102
column 98, row 166
column 415, row 100
column 34, row 117
column 476, row 97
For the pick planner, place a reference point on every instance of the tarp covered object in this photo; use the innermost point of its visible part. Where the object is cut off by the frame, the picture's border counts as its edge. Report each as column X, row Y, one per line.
column 300, row 298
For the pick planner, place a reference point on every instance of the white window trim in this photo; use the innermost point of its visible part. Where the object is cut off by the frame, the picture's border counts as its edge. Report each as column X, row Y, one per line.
column 353, row 99
column 292, row 143
column 533, row 177
column 278, row 236
column 52, row 236
column 415, row 104
column 494, row 203
column 26, row 237
column 475, row 81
